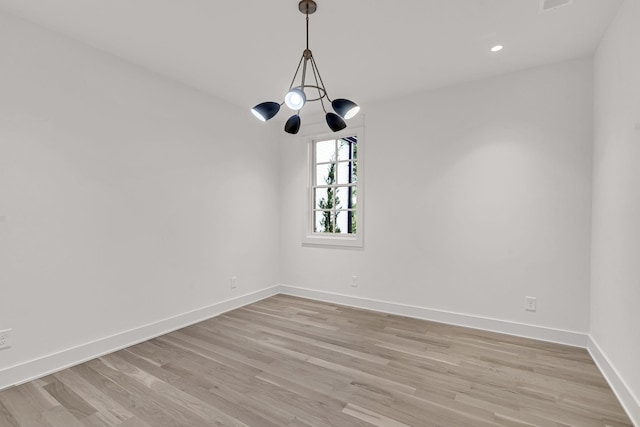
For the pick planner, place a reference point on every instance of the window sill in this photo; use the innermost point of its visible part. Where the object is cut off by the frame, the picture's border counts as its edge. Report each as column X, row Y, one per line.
column 320, row 240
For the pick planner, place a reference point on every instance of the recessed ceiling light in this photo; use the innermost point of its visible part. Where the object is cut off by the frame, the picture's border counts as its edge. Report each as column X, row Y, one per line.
column 497, row 48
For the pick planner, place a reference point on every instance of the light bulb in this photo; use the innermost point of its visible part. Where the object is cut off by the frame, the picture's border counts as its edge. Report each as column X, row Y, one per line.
column 352, row 112
column 258, row 115
column 295, row 99
column 345, row 108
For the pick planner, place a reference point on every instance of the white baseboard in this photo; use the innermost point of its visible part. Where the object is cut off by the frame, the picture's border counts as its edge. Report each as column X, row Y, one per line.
column 629, row 401
column 46, row 365
column 576, row 339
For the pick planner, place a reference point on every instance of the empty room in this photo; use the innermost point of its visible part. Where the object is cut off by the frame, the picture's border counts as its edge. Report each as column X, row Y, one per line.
column 318, row 213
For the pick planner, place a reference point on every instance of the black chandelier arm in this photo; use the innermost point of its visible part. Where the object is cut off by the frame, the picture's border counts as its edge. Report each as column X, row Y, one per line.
column 314, row 65
column 320, row 94
column 296, row 73
column 304, row 69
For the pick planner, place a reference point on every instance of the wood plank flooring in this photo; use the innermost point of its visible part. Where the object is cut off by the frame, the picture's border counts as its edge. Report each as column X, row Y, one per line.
column 287, row 361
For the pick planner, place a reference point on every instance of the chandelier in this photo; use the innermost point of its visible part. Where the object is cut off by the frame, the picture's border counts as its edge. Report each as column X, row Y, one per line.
column 310, row 89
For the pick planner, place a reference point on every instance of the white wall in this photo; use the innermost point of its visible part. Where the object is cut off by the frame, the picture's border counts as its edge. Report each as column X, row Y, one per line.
column 476, row 196
column 615, row 315
column 125, row 197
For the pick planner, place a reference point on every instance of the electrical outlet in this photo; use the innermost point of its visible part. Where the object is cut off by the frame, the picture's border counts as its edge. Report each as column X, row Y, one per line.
column 354, row 281
column 4, row 339
column 234, row 282
column 530, row 303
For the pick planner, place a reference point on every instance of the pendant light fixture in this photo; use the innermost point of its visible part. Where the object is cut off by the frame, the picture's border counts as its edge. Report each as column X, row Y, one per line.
column 310, row 89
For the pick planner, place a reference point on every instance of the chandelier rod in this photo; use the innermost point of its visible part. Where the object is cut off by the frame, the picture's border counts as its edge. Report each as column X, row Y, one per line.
column 296, row 73
column 314, row 65
column 320, row 95
column 307, row 29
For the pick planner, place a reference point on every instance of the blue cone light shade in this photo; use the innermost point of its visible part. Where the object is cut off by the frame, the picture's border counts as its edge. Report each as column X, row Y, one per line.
column 335, row 122
column 345, row 108
column 266, row 110
column 293, row 124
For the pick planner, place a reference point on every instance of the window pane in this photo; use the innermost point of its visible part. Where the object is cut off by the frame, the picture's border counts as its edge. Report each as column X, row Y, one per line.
column 323, row 222
column 354, row 172
column 344, row 149
column 342, row 221
column 325, row 198
column 344, row 173
column 325, row 151
column 342, row 197
column 347, row 148
column 326, row 174
column 352, row 217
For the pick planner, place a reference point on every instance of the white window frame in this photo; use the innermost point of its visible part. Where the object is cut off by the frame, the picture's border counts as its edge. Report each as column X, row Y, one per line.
column 311, row 238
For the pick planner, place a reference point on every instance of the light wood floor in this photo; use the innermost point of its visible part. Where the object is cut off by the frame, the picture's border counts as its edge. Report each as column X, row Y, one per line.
column 292, row 362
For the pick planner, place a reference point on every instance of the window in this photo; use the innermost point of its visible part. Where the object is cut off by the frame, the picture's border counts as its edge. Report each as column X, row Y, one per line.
column 335, row 186
column 335, row 191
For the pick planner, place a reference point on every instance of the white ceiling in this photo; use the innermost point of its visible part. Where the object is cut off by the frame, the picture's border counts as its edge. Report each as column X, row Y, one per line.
column 246, row 51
